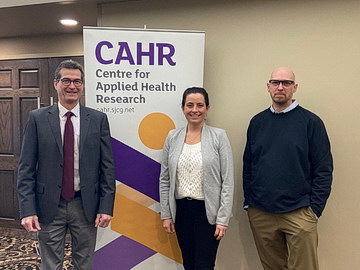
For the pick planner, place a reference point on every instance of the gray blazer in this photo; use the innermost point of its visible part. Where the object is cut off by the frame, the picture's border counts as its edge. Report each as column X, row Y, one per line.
column 41, row 161
column 218, row 174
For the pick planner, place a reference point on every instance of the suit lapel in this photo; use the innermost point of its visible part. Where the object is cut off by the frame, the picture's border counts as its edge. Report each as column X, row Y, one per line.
column 54, row 122
column 84, row 126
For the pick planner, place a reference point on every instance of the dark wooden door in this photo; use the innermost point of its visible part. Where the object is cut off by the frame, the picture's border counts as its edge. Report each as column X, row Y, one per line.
column 24, row 85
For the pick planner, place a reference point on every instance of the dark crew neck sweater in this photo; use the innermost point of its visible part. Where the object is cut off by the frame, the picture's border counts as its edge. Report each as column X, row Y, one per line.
column 287, row 162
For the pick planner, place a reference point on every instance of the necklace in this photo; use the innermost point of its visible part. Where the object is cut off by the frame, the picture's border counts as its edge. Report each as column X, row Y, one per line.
column 191, row 140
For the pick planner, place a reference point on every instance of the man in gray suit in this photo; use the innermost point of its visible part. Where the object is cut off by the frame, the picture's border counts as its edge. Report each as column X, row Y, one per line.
column 66, row 173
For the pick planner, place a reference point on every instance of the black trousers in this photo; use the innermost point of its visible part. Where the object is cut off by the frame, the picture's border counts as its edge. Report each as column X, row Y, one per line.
column 195, row 235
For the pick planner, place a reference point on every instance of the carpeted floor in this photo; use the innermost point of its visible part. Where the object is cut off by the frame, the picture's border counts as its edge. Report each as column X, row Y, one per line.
column 19, row 251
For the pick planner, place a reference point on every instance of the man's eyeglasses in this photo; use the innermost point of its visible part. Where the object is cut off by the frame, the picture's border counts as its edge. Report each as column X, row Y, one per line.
column 67, row 82
column 285, row 83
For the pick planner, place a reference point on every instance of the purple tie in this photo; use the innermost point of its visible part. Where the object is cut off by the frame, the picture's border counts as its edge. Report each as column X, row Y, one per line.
column 67, row 191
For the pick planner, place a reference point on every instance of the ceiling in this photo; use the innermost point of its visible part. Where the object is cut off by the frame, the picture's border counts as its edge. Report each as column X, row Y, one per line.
column 19, row 18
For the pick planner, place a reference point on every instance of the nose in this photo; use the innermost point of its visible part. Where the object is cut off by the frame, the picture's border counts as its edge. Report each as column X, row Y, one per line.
column 280, row 86
column 72, row 84
column 195, row 108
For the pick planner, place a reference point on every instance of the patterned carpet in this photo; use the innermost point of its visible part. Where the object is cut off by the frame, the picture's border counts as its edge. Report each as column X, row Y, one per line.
column 19, row 251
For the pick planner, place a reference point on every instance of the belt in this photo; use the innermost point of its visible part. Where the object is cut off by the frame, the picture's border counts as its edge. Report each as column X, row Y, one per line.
column 77, row 194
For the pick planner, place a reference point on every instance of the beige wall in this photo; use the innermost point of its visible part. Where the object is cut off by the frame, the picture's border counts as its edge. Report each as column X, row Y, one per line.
column 245, row 41
column 41, row 46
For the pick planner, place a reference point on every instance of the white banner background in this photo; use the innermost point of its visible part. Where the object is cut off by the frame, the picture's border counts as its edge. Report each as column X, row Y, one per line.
column 133, row 75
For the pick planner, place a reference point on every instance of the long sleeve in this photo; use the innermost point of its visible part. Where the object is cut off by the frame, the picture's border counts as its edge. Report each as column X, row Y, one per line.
column 164, row 185
column 107, row 171
column 321, row 166
column 227, row 176
column 247, row 169
column 26, row 179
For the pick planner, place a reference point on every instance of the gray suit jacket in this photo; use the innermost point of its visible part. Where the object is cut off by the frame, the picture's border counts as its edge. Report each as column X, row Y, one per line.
column 41, row 165
column 218, row 174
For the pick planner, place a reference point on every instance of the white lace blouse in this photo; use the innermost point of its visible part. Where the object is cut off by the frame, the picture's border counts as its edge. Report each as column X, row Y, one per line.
column 189, row 182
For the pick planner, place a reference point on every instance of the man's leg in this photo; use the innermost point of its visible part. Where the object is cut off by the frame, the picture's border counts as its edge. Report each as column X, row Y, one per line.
column 302, row 239
column 52, row 240
column 269, row 239
column 83, row 236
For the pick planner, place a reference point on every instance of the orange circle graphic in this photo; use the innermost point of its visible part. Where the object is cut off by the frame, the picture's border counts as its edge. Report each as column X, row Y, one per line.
column 154, row 128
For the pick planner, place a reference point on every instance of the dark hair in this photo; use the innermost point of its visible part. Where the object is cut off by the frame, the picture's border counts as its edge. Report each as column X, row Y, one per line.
column 195, row 90
column 69, row 64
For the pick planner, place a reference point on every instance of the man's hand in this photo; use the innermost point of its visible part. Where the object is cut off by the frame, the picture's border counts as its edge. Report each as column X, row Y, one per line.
column 220, row 231
column 168, row 225
column 31, row 223
column 102, row 220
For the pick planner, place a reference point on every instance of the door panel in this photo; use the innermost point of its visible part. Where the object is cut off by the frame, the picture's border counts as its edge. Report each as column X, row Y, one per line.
column 6, row 126
column 7, row 198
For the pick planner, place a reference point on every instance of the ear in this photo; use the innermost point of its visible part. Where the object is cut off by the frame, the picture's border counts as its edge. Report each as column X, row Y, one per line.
column 268, row 87
column 55, row 83
column 295, row 87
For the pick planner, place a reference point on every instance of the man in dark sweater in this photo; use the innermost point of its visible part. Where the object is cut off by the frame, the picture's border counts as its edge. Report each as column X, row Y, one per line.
column 287, row 178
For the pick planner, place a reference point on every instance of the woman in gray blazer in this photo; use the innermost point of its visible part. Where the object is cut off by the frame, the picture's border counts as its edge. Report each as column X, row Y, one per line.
column 197, row 183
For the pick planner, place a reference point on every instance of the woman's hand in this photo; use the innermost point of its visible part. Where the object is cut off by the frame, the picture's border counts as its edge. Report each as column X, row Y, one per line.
column 168, row 225
column 220, row 231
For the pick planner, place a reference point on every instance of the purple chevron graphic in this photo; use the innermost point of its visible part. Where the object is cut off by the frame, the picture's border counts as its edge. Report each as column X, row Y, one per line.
column 121, row 254
column 136, row 170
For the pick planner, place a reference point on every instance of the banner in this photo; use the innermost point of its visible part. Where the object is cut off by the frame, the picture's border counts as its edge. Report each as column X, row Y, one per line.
column 137, row 77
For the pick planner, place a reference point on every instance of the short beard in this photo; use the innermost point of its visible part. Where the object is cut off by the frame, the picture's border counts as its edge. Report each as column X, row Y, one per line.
column 281, row 102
